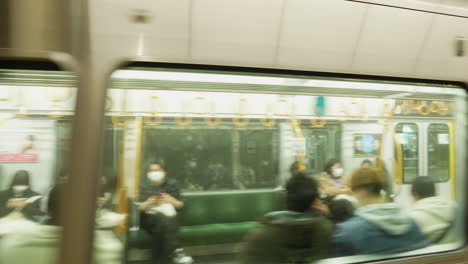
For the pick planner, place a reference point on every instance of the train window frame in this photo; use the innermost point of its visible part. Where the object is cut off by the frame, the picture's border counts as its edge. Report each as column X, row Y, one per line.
column 44, row 62
column 249, row 71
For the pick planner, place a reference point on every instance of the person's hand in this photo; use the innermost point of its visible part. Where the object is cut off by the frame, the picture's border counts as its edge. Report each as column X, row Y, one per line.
column 167, row 198
column 16, row 203
column 101, row 201
column 322, row 207
column 150, row 202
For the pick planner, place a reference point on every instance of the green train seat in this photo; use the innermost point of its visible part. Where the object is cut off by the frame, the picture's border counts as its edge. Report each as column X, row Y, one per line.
column 212, row 218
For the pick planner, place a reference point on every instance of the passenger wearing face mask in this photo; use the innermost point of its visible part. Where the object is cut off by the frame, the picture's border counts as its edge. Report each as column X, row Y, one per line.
column 20, row 197
column 160, row 199
column 331, row 182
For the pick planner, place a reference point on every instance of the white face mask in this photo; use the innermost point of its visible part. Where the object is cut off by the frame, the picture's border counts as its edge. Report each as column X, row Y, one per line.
column 156, row 175
column 18, row 190
column 338, row 172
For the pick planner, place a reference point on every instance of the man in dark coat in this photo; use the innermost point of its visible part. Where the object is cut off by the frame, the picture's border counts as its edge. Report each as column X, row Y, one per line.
column 301, row 234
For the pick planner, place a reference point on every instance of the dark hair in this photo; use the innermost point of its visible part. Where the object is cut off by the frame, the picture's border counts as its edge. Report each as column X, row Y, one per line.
column 110, row 182
column 423, row 187
column 294, row 168
column 367, row 161
column 160, row 162
column 329, row 165
column 341, row 210
column 53, row 203
column 21, row 177
column 301, row 192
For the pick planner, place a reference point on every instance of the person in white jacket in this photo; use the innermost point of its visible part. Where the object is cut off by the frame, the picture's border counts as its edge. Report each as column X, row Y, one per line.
column 434, row 215
column 40, row 244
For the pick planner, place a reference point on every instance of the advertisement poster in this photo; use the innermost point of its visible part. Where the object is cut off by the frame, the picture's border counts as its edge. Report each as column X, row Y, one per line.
column 366, row 145
column 18, row 146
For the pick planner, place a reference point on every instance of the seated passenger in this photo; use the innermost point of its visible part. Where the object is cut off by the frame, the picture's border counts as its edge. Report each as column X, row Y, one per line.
column 331, row 181
column 39, row 244
column 367, row 163
column 160, row 198
column 378, row 226
column 61, row 178
column 20, row 197
column 434, row 215
column 300, row 235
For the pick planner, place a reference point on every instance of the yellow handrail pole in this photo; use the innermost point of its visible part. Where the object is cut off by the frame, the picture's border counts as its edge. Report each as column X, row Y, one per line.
column 452, row 160
column 398, row 162
column 122, row 206
column 299, row 135
column 138, row 151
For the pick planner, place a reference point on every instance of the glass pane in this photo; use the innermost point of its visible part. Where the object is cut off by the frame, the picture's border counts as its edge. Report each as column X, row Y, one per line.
column 438, row 152
column 322, row 146
column 407, row 135
column 200, row 156
column 36, row 108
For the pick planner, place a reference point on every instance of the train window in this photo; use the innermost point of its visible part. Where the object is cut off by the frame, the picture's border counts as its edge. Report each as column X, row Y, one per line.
column 323, row 144
column 214, row 149
column 438, row 152
column 407, row 135
column 36, row 108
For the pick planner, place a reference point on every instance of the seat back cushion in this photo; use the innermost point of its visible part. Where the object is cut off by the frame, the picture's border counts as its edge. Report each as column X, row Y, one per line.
column 216, row 208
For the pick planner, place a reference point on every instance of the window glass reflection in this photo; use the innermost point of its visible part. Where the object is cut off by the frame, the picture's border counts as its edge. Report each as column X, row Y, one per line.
column 231, row 166
column 35, row 130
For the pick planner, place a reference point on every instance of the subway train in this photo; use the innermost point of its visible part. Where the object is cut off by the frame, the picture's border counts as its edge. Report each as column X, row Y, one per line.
column 228, row 95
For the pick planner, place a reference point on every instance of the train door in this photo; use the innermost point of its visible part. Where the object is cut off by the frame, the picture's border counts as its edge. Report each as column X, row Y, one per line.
column 425, row 151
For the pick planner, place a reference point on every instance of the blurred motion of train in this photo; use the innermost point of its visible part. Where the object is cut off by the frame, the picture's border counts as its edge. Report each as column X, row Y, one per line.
column 229, row 94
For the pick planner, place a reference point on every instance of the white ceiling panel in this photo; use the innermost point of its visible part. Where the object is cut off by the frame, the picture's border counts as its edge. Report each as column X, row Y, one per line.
column 320, row 33
column 166, row 32
column 391, row 40
column 455, row 7
column 456, row 3
column 438, row 56
column 241, row 31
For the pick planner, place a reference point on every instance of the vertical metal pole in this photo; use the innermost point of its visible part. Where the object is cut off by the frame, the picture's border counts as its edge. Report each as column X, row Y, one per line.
column 78, row 208
column 5, row 23
column 138, row 148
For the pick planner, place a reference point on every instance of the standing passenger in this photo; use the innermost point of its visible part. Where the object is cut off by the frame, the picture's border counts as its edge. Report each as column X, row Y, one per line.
column 434, row 215
column 160, row 197
column 379, row 226
column 331, row 180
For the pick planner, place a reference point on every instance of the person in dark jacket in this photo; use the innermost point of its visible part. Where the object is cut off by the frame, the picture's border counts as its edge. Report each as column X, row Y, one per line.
column 160, row 198
column 19, row 196
column 301, row 234
column 378, row 226
column 341, row 210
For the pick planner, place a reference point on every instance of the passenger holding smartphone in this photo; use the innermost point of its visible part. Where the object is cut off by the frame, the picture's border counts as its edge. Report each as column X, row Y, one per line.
column 160, row 199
